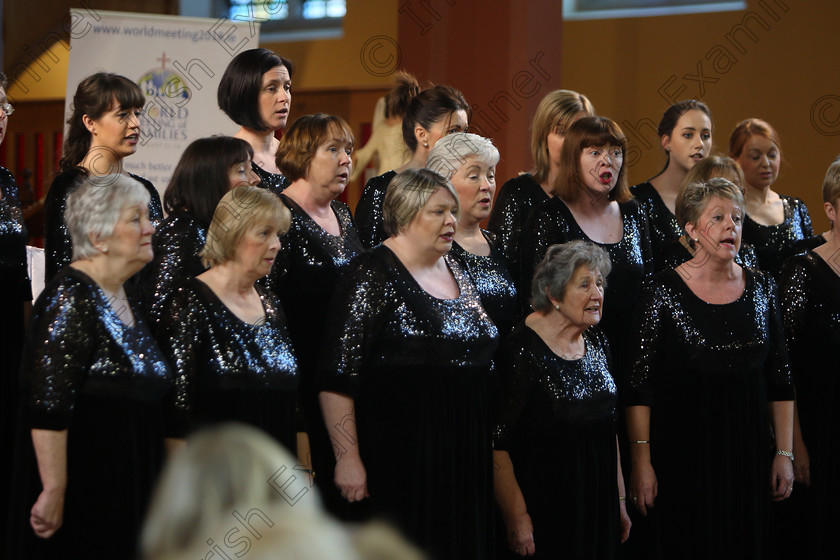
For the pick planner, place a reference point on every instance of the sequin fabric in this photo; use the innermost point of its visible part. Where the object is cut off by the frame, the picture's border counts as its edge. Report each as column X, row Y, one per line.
column 369, row 219
column 176, row 243
column 275, row 182
column 774, row 244
column 514, row 202
column 493, row 283
column 662, row 224
column 674, row 254
column 78, row 346
column 213, row 352
column 14, row 276
column 542, row 391
column 58, row 246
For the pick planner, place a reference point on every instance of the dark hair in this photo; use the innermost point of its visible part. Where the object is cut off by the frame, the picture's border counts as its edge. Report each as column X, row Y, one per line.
column 428, row 107
column 588, row 132
column 301, row 140
column 239, row 88
column 398, row 99
column 200, row 179
column 94, row 96
column 673, row 114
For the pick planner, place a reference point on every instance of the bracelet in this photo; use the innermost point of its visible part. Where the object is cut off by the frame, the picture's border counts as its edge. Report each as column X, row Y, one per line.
column 641, row 441
column 622, row 499
column 784, row 453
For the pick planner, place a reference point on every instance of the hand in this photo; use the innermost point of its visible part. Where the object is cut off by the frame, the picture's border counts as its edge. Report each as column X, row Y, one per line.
column 802, row 464
column 643, row 487
column 781, row 479
column 351, row 478
column 520, row 535
column 625, row 522
column 47, row 514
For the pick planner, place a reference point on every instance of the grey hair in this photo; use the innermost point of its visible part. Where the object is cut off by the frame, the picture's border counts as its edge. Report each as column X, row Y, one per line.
column 831, row 183
column 556, row 270
column 452, row 151
column 692, row 200
column 408, row 193
column 94, row 208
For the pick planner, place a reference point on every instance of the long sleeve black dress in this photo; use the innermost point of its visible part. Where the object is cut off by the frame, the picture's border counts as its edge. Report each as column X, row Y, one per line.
column 418, row 368
column 369, row 219
column 556, row 418
column 105, row 382
column 708, row 372
column 226, row 369
column 774, row 244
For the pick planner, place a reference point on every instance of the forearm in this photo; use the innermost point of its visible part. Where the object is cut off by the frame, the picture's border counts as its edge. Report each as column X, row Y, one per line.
column 638, row 430
column 621, row 490
column 508, row 494
column 51, row 453
column 782, row 413
column 340, row 418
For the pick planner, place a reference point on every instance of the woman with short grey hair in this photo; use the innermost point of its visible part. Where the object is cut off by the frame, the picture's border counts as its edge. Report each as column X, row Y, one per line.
column 94, row 380
column 405, row 377
column 469, row 162
column 555, row 438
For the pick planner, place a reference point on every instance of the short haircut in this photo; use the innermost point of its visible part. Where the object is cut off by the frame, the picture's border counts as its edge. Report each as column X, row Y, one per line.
column 554, row 113
column 200, row 179
column 590, row 132
column 239, row 210
column 693, row 198
column 559, row 265
column 239, row 89
column 831, row 183
column 95, row 206
column 430, row 106
column 408, row 193
column 451, row 152
column 715, row 165
column 746, row 129
column 301, row 140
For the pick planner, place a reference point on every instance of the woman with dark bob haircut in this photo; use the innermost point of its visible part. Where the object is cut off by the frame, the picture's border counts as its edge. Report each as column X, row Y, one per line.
column 555, row 438
column 208, row 169
column 104, row 128
column 315, row 155
column 430, row 115
column 256, row 93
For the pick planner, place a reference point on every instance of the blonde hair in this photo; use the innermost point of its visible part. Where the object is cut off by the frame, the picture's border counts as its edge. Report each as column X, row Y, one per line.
column 554, row 114
column 831, row 183
column 240, row 209
column 693, row 198
column 408, row 193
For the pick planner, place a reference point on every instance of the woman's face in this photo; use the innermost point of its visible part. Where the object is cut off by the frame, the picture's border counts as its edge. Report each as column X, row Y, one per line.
column 555, row 138
column 760, row 161
column 691, row 139
column 241, row 174
column 131, row 240
column 257, row 249
column 4, row 118
column 455, row 121
column 276, row 97
column 475, row 183
column 331, row 164
column 583, row 301
column 718, row 229
column 433, row 227
column 116, row 131
column 600, row 167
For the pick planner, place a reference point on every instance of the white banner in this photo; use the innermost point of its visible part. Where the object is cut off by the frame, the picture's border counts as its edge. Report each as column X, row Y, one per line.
column 177, row 62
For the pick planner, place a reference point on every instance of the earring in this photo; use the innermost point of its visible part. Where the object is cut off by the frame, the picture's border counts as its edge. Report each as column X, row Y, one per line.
column 425, row 144
column 557, row 307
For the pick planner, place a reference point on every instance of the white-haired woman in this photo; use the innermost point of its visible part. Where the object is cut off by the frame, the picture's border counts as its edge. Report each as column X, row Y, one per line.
column 225, row 336
column 469, row 162
column 94, row 383
column 405, row 377
column 709, row 365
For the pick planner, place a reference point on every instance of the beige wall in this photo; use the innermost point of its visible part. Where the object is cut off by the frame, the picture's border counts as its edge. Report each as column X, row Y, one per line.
column 787, row 73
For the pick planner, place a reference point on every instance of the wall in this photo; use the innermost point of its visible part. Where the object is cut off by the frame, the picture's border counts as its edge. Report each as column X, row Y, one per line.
column 782, row 67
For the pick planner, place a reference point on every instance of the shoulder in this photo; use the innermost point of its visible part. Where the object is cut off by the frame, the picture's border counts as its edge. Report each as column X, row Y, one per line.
column 181, row 223
column 64, row 182
column 7, row 183
column 143, row 181
column 71, row 290
column 631, row 207
column 643, row 191
column 521, row 184
column 380, row 182
column 342, row 210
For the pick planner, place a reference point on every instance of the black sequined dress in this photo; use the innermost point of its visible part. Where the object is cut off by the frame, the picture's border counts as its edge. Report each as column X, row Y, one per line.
column 513, row 204
column 275, row 182
column 552, row 222
column 307, row 268
column 708, row 372
column 418, row 368
column 556, row 418
column 58, row 246
column 662, row 223
column 674, row 254
column 15, row 289
column 369, row 219
column 104, row 382
column 810, row 296
column 176, row 243
column 226, row 369
column 774, row 244
column 493, row 282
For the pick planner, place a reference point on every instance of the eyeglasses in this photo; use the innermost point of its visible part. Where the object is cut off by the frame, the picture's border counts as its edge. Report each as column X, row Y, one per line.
column 7, row 108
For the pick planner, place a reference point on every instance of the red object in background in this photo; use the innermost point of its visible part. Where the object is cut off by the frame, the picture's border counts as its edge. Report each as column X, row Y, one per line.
column 58, row 139
column 20, row 151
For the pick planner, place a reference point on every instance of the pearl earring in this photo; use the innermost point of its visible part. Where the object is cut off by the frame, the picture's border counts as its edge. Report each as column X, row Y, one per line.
column 557, row 307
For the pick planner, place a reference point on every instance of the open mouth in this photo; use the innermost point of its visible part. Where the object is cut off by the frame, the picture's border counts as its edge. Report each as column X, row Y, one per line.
column 448, row 236
column 596, row 308
column 484, row 201
column 729, row 241
column 343, row 176
column 697, row 156
column 605, row 177
column 133, row 137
